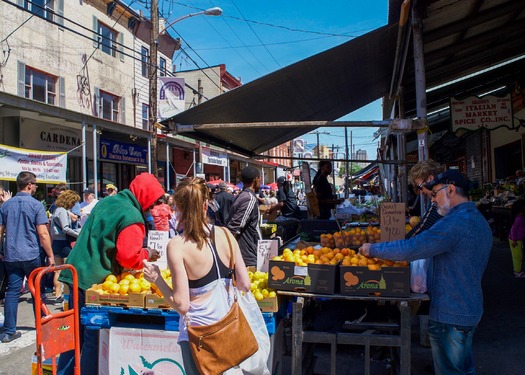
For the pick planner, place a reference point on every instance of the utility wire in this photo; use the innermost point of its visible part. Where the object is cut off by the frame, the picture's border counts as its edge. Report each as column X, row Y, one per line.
column 256, row 35
column 272, row 25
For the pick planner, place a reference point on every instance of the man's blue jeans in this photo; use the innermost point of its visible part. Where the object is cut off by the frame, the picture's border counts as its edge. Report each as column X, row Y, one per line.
column 16, row 271
column 451, row 348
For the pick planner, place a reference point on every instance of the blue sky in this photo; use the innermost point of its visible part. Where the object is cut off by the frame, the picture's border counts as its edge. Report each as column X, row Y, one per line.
column 255, row 38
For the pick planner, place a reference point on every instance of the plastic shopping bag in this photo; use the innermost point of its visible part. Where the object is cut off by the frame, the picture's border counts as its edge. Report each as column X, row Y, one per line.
column 257, row 364
column 418, row 276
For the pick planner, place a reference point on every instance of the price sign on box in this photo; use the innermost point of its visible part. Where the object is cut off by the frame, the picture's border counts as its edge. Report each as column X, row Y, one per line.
column 158, row 240
column 266, row 250
column 392, row 221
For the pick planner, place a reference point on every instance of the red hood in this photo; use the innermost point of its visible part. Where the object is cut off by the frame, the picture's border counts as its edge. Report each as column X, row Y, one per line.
column 147, row 189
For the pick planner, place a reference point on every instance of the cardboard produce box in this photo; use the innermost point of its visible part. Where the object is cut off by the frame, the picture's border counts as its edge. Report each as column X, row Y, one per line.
column 128, row 300
column 268, row 217
column 139, row 351
column 269, row 304
column 314, row 278
column 154, row 301
column 388, row 281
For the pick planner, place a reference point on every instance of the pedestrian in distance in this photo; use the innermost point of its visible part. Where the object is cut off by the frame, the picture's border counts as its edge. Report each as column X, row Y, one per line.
column 199, row 262
column 324, row 190
column 24, row 221
column 286, row 201
column 458, row 247
column 110, row 241
column 111, row 190
column 225, row 200
column 420, row 174
column 517, row 236
column 63, row 233
column 87, row 205
column 244, row 215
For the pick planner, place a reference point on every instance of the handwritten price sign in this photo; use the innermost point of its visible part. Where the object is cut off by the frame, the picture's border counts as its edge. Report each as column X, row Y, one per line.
column 392, row 221
column 266, row 250
column 158, row 240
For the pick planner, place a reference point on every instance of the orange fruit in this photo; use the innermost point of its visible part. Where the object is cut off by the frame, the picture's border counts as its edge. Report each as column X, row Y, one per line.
column 123, row 290
column 363, row 262
column 114, row 289
column 107, row 285
column 135, row 288
column 111, row 278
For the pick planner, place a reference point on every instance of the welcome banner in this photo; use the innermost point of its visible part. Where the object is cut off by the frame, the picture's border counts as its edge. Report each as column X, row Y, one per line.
column 49, row 167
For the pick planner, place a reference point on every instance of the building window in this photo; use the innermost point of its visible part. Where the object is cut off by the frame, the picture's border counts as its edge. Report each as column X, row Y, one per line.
column 108, row 38
column 41, row 8
column 109, row 106
column 40, row 86
column 145, row 116
column 162, row 67
column 144, row 59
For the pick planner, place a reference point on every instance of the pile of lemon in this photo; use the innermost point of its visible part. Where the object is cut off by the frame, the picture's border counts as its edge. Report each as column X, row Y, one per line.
column 129, row 283
column 259, row 285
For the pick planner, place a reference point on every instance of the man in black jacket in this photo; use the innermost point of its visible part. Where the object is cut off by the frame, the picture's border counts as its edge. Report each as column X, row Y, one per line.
column 225, row 201
column 244, row 216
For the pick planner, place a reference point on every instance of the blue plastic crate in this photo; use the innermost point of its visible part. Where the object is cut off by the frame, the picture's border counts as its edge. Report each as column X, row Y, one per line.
column 269, row 319
column 110, row 316
column 167, row 320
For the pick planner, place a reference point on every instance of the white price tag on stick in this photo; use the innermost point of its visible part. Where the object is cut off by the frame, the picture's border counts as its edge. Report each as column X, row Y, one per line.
column 158, row 240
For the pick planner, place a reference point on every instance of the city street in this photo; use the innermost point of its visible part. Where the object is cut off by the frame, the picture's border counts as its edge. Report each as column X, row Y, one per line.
column 498, row 342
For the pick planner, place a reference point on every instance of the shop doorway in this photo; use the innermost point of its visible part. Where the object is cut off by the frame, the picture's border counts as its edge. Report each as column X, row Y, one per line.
column 507, row 159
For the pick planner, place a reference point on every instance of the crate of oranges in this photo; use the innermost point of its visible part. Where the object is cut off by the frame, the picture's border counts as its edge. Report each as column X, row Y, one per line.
column 126, row 289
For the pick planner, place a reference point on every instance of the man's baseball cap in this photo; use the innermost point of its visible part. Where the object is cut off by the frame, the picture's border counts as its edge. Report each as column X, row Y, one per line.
column 89, row 191
column 450, row 177
column 281, row 180
column 111, row 186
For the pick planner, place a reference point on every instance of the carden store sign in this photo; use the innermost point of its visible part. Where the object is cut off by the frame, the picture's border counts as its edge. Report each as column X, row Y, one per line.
column 474, row 113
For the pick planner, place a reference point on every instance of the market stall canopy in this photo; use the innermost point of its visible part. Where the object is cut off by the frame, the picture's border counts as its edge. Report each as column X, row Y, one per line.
column 367, row 173
column 321, row 88
column 470, row 47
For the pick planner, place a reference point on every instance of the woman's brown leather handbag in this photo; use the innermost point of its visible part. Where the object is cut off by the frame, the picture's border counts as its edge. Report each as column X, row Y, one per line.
column 222, row 345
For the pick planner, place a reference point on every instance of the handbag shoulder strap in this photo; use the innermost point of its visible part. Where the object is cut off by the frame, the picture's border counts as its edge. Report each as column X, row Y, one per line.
column 232, row 256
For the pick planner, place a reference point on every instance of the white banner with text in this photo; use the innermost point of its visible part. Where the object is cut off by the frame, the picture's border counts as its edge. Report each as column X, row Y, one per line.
column 49, row 167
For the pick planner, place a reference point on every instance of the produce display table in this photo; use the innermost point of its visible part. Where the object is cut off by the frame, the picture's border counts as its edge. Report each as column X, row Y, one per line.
column 368, row 338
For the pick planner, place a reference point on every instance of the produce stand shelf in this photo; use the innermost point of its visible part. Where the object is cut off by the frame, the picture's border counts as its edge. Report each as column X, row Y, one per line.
column 371, row 334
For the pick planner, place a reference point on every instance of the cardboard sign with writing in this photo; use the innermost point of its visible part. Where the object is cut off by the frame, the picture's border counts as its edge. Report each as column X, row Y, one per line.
column 158, row 240
column 266, row 250
column 392, row 221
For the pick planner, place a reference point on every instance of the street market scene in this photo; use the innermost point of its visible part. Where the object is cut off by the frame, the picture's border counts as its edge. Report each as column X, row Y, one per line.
column 354, row 209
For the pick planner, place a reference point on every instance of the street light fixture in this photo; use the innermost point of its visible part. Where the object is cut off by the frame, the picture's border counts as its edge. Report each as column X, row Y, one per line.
column 153, row 73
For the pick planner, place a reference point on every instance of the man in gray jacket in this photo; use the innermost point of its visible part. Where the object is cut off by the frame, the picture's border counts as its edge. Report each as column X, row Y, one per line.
column 458, row 247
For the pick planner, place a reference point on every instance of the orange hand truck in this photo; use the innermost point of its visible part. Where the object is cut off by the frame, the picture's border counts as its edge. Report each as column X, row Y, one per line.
column 59, row 332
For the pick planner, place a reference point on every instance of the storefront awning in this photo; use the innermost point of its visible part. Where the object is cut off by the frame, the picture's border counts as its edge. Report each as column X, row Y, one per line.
column 321, row 88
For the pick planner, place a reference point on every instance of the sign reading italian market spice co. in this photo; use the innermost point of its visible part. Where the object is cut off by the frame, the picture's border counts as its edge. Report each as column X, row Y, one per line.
column 487, row 112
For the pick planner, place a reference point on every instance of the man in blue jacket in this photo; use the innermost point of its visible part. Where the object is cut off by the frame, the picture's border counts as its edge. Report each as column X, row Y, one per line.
column 458, row 246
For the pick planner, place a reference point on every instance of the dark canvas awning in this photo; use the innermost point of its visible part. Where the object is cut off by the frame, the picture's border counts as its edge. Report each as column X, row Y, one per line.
column 323, row 87
column 460, row 37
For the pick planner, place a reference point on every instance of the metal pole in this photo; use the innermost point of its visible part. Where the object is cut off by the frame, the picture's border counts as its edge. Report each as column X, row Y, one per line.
column 84, row 157
column 420, row 81
column 153, row 85
column 167, row 166
column 347, row 165
column 95, row 172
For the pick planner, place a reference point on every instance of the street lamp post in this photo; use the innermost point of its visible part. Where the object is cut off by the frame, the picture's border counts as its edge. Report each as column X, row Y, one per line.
column 153, row 72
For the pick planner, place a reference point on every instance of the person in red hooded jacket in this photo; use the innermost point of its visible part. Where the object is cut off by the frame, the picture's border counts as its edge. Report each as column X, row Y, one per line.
column 110, row 241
